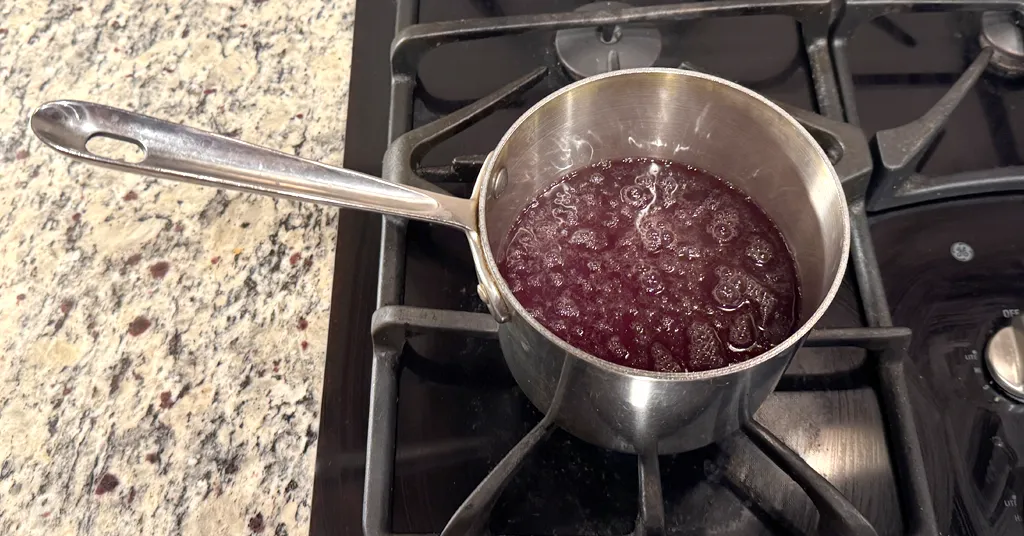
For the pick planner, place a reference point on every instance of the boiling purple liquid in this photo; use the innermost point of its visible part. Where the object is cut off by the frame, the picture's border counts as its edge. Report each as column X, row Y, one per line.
column 653, row 265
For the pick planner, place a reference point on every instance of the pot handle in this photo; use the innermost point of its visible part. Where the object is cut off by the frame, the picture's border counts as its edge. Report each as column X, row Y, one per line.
column 186, row 154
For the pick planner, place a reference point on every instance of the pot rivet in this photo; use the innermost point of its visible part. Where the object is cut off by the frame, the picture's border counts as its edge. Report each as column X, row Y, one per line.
column 500, row 182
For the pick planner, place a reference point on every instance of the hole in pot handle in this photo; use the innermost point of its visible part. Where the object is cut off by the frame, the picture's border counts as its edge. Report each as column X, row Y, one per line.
column 115, row 148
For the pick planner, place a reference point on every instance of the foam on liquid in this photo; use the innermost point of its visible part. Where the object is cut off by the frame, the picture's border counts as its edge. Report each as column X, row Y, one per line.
column 653, row 265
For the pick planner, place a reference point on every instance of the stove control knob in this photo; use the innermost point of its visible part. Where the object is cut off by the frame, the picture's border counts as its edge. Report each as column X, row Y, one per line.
column 1005, row 358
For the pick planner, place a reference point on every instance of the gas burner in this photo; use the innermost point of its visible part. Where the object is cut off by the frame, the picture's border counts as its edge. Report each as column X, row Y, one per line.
column 999, row 31
column 589, row 51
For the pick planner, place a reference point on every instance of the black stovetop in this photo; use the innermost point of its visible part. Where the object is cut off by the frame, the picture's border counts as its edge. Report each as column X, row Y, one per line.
column 918, row 441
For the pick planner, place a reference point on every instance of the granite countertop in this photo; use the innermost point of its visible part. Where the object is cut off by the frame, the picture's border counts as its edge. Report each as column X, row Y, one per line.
column 162, row 344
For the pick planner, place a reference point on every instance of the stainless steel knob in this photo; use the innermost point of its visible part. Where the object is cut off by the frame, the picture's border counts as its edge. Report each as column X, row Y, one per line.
column 1004, row 356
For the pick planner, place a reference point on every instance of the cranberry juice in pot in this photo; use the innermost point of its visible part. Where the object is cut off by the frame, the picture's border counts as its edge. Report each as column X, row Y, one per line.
column 654, row 265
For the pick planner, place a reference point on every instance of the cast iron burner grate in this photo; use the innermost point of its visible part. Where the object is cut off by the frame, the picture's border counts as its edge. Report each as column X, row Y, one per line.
column 877, row 175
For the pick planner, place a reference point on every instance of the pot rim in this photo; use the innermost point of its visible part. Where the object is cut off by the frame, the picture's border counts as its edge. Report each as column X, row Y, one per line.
column 484, row 183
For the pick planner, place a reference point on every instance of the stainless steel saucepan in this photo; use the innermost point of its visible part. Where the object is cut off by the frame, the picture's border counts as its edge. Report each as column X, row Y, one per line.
column 664, row 113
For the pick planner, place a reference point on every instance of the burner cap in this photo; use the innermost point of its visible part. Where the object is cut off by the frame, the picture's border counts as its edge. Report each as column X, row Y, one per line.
column 589, row 51
column 999, row 31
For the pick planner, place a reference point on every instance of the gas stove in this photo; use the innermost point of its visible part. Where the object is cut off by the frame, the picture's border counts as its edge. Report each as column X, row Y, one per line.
column 903, row 413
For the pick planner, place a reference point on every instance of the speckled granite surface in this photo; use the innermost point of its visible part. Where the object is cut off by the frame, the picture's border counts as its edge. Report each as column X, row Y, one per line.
column 162, row 345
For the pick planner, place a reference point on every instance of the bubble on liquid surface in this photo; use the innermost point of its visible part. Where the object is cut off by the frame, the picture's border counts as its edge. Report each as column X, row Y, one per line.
column 565, row 217
column 728, row 293
column 689, row 252
column 724, row 225
column 616, row 347
column 655, row 233
column 551, row 259
column 635, row 196
column 524, row 238
column 646, row 180
column 641, row 333
column 653, row 264
column 589, row 238
column 742, row 333
column 566, row 199
column 566, row 307
column 651, row 280
column 667, row 187
column 705, row 348
column 759, row 251
column 663, row 360
column 765, row 300
column 516, row 259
